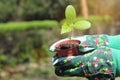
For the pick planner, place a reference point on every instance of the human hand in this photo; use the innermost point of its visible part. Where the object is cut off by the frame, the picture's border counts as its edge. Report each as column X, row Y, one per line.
column 95, row 65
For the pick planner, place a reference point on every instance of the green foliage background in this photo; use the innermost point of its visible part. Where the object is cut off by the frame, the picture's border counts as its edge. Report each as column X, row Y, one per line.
column 29, row 27
column 31, row 9
column 7, row 7
column 23, row 41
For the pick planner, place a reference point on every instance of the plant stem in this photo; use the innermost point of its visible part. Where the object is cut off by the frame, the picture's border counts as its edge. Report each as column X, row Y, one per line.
column 72, row 32
column 71, row 35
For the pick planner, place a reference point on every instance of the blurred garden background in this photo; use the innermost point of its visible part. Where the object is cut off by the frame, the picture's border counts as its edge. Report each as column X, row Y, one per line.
column 29, row 27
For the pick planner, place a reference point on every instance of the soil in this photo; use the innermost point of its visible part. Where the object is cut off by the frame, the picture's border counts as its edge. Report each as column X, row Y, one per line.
column 67, row 46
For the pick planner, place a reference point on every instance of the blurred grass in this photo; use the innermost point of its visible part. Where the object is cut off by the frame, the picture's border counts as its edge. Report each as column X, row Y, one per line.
column 42, row 71
column 20, row 26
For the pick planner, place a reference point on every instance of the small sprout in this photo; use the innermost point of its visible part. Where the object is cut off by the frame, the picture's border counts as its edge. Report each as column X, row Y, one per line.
column 70, row 14
column 71, row 23
column 82, row 25
column 66, row 28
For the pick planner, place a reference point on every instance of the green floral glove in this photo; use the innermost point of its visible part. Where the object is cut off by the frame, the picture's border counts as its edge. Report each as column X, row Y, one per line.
column 96, row 65
column 93, row 41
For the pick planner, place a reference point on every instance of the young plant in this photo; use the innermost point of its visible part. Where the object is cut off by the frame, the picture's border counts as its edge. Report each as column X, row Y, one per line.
column 71, row 47
column 71, row 23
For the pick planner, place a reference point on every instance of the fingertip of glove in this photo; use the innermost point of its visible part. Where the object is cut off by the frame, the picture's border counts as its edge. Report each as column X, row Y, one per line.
column 58, row 72
column 52, row 48
column 55, row 62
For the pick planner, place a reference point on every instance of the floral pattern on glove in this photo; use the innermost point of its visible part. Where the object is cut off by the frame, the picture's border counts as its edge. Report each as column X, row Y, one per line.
column 97, row 65
column 95, row 41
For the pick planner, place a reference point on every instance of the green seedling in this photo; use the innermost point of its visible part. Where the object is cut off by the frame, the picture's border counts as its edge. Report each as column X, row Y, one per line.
column 71, row 23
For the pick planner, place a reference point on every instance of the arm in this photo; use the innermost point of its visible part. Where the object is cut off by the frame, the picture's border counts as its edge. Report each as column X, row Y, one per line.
column 114, row 41
column 116, row 59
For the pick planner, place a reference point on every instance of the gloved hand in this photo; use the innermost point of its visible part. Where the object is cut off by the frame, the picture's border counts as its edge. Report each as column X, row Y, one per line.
column 88, row 42
column 95, row 65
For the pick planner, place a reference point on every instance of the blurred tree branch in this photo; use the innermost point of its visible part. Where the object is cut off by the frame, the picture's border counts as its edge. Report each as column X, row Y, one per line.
column 84, row 8
column 19, row 10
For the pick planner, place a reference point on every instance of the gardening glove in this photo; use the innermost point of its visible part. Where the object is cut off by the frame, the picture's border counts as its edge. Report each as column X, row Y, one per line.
column 95, row 65
column 88, row 42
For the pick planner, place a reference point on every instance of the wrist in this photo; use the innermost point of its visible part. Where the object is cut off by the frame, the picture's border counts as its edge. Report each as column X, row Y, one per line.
column 116, row 61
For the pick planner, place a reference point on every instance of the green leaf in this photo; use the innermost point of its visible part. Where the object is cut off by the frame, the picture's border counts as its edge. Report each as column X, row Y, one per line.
column 70, row 14
column 82, row 25
column 66, row 28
